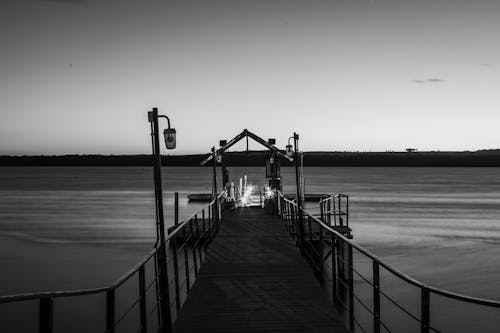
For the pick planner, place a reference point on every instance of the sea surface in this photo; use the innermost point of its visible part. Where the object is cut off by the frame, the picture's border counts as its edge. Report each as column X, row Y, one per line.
column 83, row 227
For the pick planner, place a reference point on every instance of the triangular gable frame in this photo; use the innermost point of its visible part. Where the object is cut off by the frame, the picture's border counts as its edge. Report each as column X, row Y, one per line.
column 247, row 133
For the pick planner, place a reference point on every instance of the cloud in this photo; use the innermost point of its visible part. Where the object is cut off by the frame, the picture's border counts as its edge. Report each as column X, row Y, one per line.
column 69, row 2
column 428, row 80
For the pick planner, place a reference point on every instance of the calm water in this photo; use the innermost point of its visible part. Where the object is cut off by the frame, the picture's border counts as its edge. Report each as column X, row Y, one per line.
column 83, row 227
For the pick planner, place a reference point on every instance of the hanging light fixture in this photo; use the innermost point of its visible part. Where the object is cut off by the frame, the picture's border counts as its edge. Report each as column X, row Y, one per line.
column 170, row 138
column 289, row 148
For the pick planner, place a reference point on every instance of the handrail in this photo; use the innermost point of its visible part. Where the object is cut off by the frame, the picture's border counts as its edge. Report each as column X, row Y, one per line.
column 403, row 276
column 122, row 279
column 185, row 221
column 50, row 294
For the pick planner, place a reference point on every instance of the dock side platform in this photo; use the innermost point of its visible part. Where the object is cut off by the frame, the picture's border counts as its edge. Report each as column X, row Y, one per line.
column 253, row 279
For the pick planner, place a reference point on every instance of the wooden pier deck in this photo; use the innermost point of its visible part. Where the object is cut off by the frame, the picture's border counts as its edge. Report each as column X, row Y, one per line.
column 254, row 280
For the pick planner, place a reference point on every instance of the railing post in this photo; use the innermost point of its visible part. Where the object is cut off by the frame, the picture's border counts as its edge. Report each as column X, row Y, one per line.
column 186, row 259
column 321, row 211
column 278, row 205
column 219, row 209
column 210, row 222
column 46, row 315
column 176, row 273
column 320, row 256
column 376, row 297
column 142, row 300
column 310, row 229
column 176, row 208
column 203, row 220
column 197, row 223
column 347, row 212
column 194, row 249
column 286, row 214
column 351, row 287
column 334, row 269
column 110, row 311
column 204, row 229
column 329, row 213
column 425, row 310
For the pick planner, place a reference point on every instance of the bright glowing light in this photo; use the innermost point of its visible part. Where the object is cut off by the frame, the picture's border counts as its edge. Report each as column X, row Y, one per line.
column 249, row 197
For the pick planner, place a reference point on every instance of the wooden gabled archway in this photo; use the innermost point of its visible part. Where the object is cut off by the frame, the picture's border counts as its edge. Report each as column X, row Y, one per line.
column 247, row 134
column 272, row 170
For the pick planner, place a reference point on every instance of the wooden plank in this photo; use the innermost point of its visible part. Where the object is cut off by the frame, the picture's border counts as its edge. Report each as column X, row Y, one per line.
column 254, row 280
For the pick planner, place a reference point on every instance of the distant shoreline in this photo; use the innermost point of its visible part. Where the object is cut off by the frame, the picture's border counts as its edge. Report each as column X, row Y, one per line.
column 481, row 158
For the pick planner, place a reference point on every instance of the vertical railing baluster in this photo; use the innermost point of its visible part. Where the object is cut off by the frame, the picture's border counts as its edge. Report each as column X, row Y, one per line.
column 142, row 300
column 351, row 286
column 203, row 221
column 46, row 315
column 329, row 212
column 283, row 213
column 198, row 240
column 205, row 238
column 347, row 212
column 219, row 209
column 176, row 208
column 210, row 222
column 376, row 297
column 110, row 311
column 334, row 269
column 425, row 310
column 285, row 216
column 173, row 241
column 320, row 255
column 322, row 217
column 310, row 229
column 195, row 263
column 278, row 205
column 186, row 259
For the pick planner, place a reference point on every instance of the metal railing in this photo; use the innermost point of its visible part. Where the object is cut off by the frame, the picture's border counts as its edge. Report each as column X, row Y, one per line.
column 186, row 248
column 334, row 210
column 334, row 259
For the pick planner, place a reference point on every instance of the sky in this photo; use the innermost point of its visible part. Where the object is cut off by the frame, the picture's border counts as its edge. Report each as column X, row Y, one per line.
column 78, row 76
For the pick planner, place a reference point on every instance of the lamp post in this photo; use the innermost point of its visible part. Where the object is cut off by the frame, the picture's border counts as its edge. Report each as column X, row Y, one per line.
column 214, row 157
column 273, row 165
column 161, row 260
column 299, row 196
column 222, row 143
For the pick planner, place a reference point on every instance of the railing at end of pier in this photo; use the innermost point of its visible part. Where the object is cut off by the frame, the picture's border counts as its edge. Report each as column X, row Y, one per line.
column 336, row 261
column 186, row 248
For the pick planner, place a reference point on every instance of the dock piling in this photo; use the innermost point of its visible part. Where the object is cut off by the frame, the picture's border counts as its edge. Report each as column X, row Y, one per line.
column 110, row 311
column 142, row 301
column 376, row 297
column 46, row 315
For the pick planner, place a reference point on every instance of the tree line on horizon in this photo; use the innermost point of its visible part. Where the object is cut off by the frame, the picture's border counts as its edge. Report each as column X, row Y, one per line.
column 480, row 158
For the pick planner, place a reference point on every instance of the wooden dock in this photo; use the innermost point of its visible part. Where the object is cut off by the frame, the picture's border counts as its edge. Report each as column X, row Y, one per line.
column 254, row 280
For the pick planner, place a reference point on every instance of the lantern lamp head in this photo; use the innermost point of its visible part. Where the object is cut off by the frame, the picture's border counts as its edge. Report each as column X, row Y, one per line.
column 289, row 150
column 170, row 138
column 219, row 158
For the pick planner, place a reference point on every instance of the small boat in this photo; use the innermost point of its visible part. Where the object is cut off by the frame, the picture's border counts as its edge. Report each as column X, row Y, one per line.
column 201, row 197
